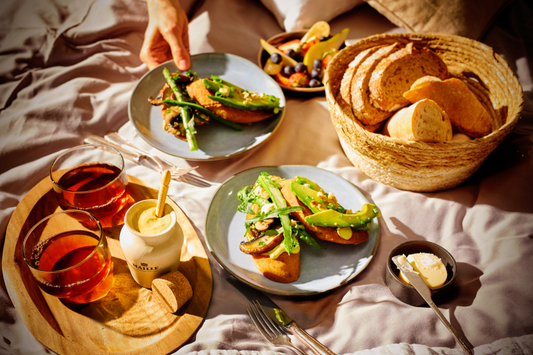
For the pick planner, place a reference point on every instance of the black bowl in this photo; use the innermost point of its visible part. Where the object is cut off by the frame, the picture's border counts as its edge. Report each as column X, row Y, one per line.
column 407, row 293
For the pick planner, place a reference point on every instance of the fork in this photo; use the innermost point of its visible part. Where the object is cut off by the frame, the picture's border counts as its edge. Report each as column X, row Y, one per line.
column 271, row 331
column 176, row 173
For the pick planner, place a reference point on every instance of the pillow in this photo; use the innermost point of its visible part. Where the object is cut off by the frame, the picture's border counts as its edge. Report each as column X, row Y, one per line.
column 467, row 18
column 294, row 15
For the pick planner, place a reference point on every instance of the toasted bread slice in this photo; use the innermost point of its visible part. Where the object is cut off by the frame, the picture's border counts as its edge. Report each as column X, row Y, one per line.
column 198, row 91
column 362, row 107
column 284, row 269
column 467, row 114
column 395, row 74
column 422, row 121
column 324, row 233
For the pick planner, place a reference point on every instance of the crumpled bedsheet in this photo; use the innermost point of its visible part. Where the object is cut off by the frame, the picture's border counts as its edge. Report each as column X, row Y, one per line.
column 67, row 69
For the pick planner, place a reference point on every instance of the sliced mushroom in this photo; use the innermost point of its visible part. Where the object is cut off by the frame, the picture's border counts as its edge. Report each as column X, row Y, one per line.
column 261, row 244
column 264, row 224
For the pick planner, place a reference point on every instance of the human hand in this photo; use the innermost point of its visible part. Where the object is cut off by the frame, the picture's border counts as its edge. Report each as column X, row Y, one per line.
column 167, row 35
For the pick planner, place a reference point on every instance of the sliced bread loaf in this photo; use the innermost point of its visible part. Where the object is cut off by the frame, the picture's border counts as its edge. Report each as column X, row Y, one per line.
column 362, row 108
column 395, row 74
column 344, row 97
column 466, row 113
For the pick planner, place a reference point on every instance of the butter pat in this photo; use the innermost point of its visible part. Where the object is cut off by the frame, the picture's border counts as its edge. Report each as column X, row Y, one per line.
column 430, row 267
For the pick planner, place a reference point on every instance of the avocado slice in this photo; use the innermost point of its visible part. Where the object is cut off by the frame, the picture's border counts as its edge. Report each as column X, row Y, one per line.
column 233, row 96
column 305, row 181
column 306, row 195
column 332, row 218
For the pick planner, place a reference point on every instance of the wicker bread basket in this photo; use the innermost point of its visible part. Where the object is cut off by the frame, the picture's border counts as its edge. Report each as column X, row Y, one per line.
column 418, row 166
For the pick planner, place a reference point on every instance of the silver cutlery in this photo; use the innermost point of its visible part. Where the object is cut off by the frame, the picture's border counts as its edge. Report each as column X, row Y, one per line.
column 141, row 157
column 419, row 284
column 272, row 332
column 278, row 316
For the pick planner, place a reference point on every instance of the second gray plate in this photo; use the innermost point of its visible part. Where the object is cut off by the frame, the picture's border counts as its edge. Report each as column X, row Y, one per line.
column 215, row 141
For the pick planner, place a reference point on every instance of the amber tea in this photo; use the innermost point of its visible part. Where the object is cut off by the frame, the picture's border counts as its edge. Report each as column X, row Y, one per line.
column 96, row 183
column 95, row 187
column 74, row 264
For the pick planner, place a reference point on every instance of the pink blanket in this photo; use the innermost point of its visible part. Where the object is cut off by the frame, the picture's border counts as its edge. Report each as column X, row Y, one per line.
column 67, row 70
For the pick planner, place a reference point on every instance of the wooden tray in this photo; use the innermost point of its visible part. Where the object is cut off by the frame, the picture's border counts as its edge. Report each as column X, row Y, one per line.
column 126, row 321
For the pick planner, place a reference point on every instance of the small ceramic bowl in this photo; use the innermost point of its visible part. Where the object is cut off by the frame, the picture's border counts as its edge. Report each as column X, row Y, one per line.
column 276, row 40
column 407, row 293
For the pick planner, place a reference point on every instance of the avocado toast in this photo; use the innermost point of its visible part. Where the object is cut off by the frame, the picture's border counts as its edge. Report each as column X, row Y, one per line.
column 280, row 212
column 271, row 236
column 323, row 216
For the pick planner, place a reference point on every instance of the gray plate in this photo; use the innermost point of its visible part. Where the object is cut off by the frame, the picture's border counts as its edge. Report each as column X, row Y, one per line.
column 321, row 270
column 215, row 141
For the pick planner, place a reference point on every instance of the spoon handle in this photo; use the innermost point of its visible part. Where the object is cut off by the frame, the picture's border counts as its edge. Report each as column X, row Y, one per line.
column 162, row 197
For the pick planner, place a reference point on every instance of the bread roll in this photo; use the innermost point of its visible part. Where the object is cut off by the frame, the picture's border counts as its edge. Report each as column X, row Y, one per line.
column 461, row 137
column 466, row 113
column 395, row 74
column 422, row 121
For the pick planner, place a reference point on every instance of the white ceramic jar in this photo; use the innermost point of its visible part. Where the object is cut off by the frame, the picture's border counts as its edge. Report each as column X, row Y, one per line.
column 150, row 256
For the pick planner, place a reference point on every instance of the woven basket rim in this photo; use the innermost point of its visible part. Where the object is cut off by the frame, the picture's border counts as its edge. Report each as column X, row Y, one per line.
column 504, row 129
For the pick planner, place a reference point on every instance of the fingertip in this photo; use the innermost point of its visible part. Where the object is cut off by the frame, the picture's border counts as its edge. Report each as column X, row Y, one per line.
column 183, row 64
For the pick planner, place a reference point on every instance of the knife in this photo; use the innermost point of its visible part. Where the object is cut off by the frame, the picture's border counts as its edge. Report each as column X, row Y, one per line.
column 279, row 316
column 420, row 285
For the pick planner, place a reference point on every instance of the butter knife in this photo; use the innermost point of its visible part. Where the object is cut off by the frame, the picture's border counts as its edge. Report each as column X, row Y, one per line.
column 423, row 289
column 280, row 317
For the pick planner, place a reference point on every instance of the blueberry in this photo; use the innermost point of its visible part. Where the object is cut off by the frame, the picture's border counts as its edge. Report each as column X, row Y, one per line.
column 300, row 68
column 317, row 63
column 322, row 38
column 288, row 70
column 316, row 73
column 291, row 53
column 276, row 58
column 314, row 83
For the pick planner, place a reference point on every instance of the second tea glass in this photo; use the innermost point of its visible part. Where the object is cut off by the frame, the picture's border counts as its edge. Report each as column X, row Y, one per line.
column 68, row 256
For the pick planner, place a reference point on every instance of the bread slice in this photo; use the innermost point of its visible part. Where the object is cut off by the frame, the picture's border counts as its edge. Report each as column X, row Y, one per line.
column 422, row 121
column 198, row 91
column 346, row 81
column 344, row 97
column 323, row 233
column 284, row 269
column 395, row 74
column 467, row 114
column 362, row 108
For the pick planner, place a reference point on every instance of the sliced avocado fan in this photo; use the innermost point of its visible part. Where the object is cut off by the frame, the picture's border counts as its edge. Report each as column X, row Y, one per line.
column 233, row 96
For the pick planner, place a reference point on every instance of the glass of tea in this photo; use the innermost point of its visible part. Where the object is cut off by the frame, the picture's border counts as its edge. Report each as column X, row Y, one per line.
column 91, row 178
column 68, row 256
